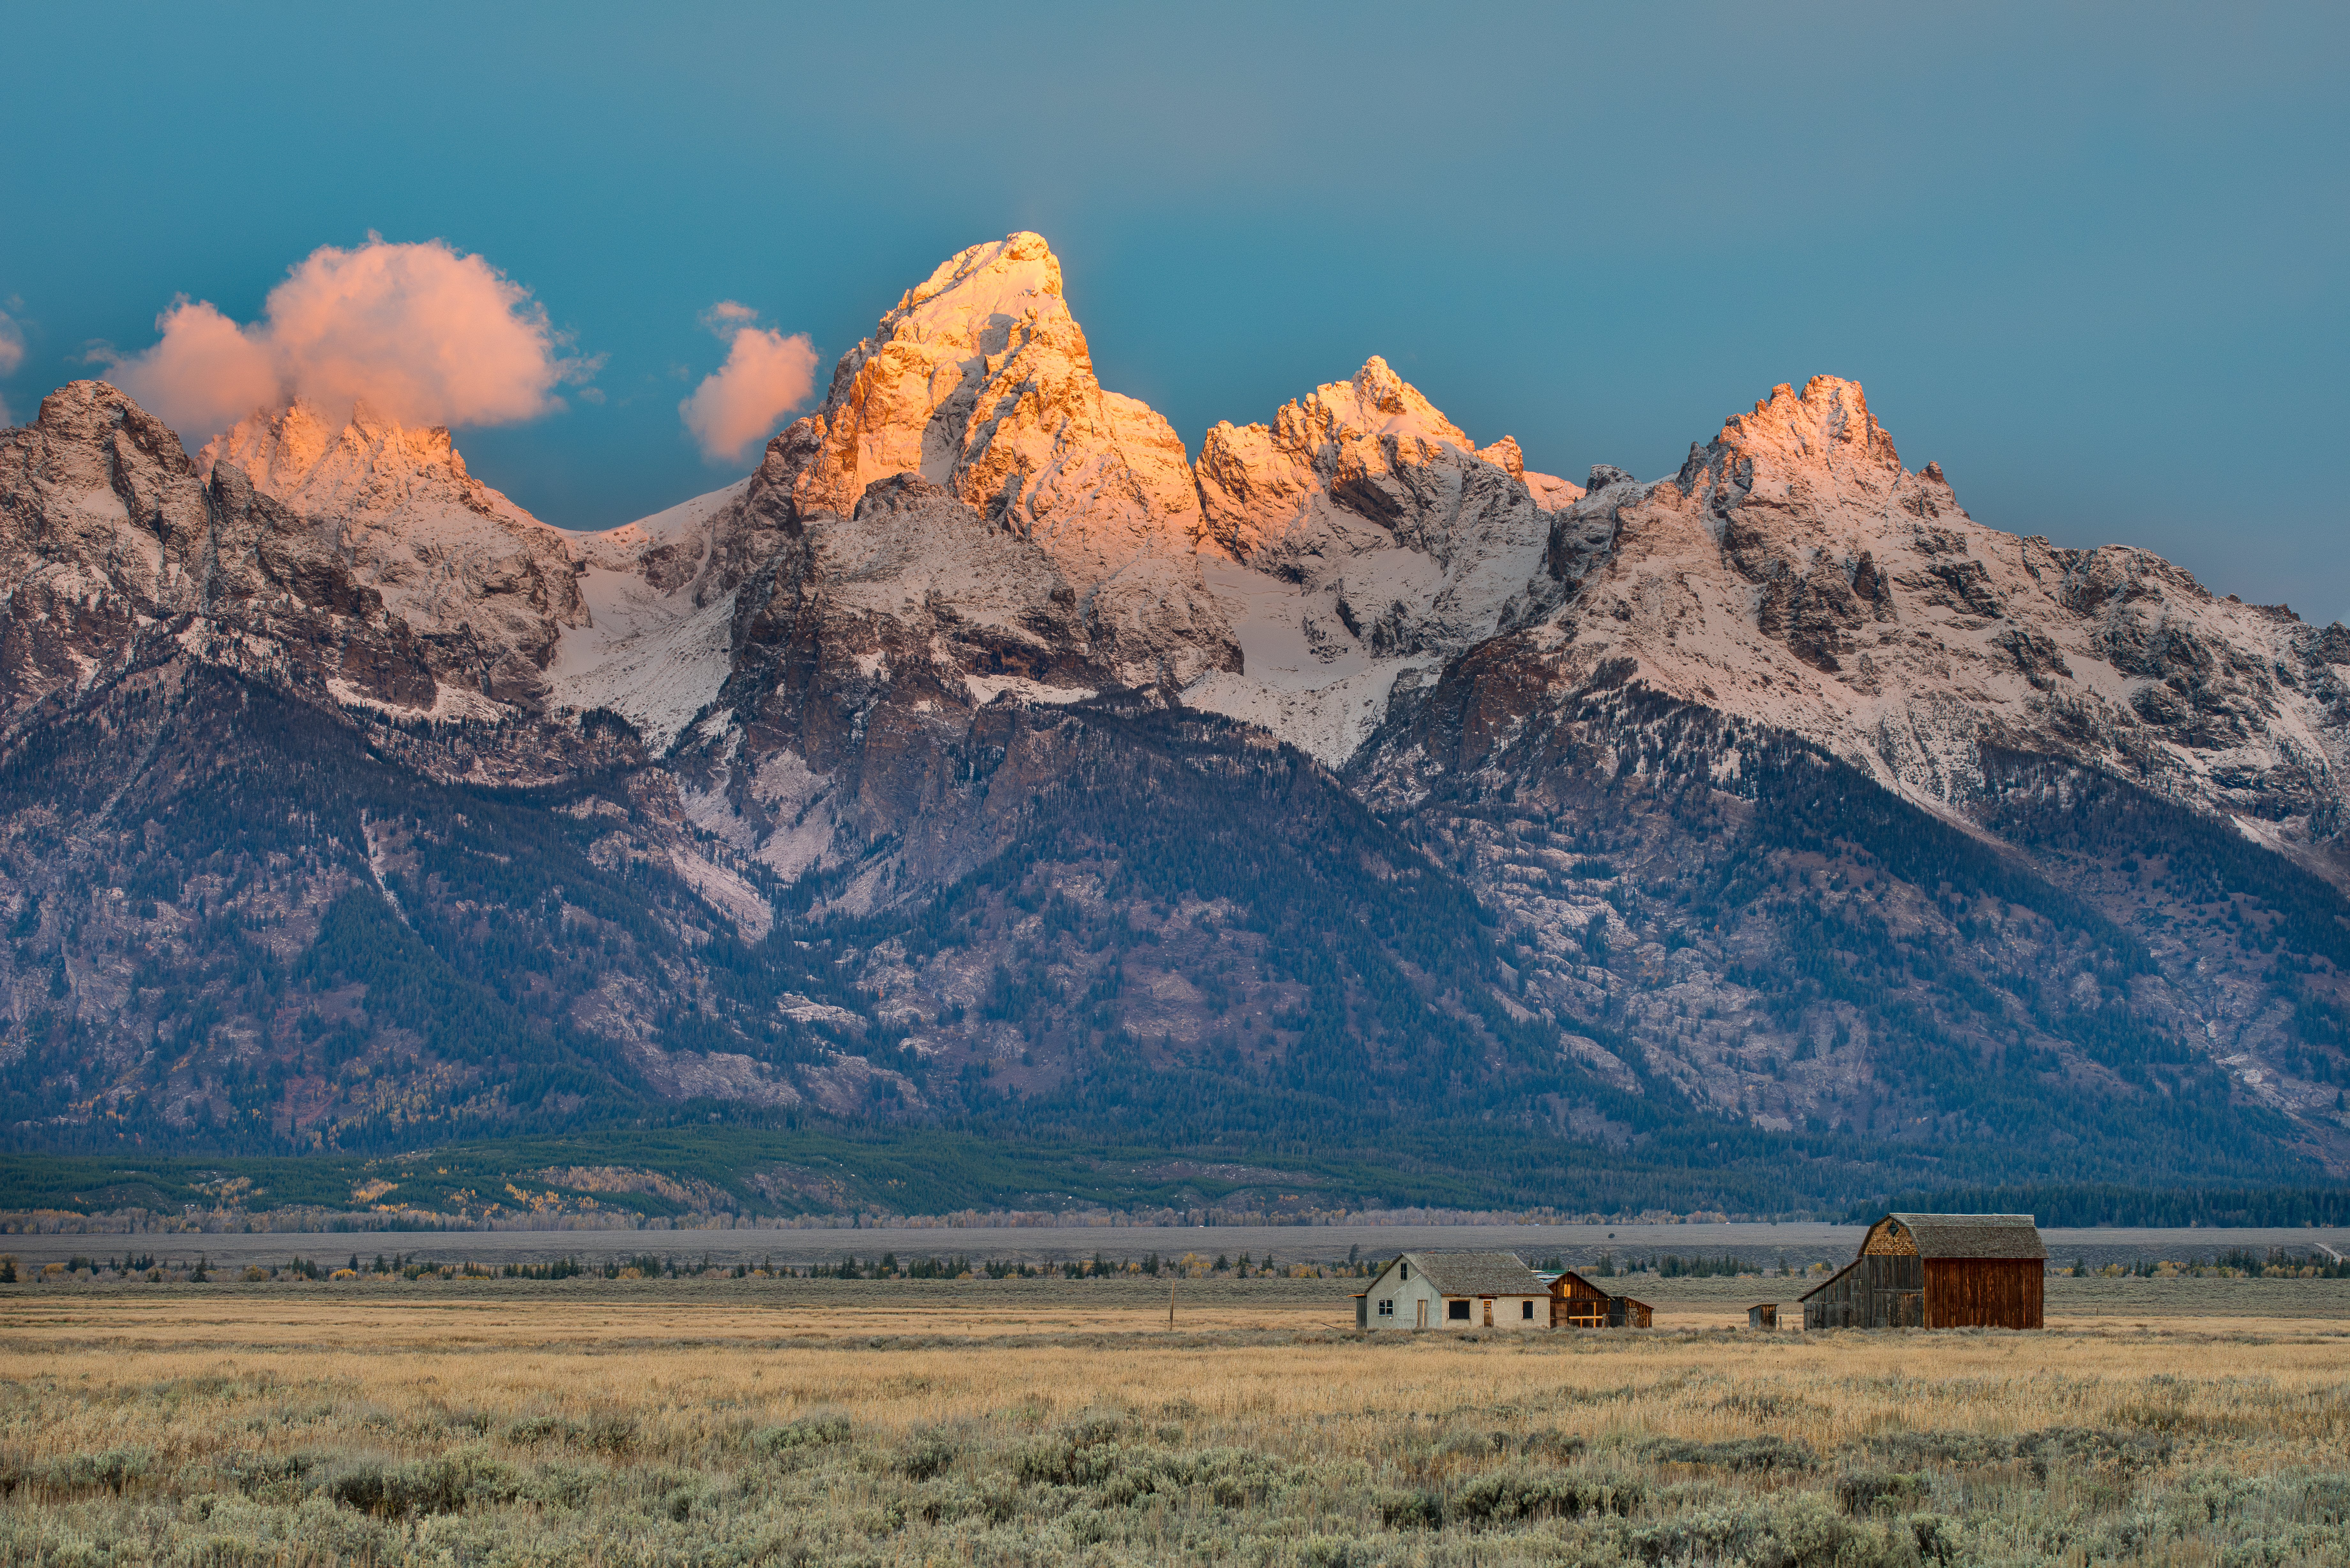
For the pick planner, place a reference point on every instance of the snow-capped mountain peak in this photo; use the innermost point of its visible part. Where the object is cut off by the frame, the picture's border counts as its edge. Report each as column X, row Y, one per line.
column 367, row 468
column 980, row 381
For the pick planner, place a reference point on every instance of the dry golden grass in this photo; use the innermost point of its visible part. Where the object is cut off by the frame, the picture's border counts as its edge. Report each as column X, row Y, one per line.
column 840, row 1421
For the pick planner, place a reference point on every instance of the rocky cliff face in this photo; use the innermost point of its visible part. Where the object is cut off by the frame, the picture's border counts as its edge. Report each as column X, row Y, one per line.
column 1371, row 540
column 487, row 587
column 2095, row 712
column 980, row 754
column 366, row 568
column 1793, row 572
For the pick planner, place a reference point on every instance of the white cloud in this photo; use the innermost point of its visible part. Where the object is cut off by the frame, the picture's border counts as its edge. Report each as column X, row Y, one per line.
column 766, row 376
column 422, row 335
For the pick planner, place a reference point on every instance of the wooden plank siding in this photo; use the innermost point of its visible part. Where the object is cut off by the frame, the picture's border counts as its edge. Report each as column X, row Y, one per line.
column 1576, row 1302
column 1984, row 1292
column 1872, row 1292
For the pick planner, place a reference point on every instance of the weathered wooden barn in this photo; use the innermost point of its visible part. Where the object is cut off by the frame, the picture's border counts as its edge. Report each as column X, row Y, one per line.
column 1937, row 1270
column 1576, row 1302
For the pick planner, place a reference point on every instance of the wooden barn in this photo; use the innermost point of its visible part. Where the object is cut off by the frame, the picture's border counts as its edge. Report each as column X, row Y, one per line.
column 1937, row 1270
column 1576, row 1302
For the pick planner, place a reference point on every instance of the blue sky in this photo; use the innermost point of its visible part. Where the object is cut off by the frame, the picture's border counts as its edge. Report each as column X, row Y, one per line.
column 2089, row 258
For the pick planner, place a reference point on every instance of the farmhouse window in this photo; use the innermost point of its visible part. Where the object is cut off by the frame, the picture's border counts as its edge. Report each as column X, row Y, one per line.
column 1457, row 1311
column 1407, row 1271
column 1387, row 1309
column 1526, row 1309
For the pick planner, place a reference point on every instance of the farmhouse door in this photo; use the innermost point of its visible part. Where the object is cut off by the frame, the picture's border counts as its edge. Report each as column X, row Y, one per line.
column 1489, row 1312
column 1423, row 1315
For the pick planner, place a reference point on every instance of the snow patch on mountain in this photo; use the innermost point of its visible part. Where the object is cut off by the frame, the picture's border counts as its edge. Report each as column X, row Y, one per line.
column 648, row 651
column 450, row 705
column 1299, row 681
column 986, row 688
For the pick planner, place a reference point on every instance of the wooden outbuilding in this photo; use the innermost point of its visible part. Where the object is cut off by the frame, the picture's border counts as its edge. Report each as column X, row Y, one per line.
column 1576, row 1302
column 1762, row 1314
column 1937, row 1270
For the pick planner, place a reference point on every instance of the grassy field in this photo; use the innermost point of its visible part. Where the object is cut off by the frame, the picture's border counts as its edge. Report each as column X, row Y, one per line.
column 1012, row 1421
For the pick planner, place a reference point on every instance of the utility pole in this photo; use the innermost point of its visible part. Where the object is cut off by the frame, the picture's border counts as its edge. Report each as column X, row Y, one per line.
column 1170, row 1305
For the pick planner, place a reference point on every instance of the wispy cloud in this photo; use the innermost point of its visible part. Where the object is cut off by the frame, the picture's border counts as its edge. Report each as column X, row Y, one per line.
column 421, row 334
column 766, row 376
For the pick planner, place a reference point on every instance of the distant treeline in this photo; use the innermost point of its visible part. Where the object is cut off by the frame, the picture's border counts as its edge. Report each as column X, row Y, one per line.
column 645, row 1265
column 2082, row 1204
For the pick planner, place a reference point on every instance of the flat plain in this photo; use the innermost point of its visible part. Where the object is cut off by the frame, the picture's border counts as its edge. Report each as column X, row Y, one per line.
column 1049, row 1421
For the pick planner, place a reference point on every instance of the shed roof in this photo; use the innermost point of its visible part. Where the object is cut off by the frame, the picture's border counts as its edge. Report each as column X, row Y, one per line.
column 1974, row 1235
column 1477, row 1273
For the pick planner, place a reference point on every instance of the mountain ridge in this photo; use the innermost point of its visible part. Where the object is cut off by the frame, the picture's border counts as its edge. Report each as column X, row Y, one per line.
column 1778, row 791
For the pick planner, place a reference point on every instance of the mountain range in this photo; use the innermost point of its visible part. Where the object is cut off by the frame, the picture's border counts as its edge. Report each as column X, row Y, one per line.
column 985, row 761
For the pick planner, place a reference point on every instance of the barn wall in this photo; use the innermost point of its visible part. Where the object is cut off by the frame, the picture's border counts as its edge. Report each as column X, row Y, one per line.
column 1984, row 1292
column 1878, row 1291
column 1831, row 1305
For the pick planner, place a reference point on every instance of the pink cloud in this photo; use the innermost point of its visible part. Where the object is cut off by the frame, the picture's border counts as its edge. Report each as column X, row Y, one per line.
column 206, row 375
column 421, row 334
column 766, row 376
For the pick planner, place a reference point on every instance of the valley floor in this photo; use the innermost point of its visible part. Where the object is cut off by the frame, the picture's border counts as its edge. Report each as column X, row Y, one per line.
column 706, row 1420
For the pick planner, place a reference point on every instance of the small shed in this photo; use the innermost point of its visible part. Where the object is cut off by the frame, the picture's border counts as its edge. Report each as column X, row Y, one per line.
column 1455, row 1291
column 1576, row 1302
column 1937, row 1270
column 1762, row 1314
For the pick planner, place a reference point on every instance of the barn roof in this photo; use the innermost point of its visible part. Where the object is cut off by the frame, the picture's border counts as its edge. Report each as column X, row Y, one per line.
column 1974, row 1235
column 1478, row 1273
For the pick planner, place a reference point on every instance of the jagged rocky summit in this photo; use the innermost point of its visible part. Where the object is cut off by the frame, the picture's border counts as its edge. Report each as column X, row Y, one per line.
column 964, row 687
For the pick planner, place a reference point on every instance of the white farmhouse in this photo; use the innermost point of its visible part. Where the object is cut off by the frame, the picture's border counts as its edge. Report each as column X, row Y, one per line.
column 1455, row 1290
